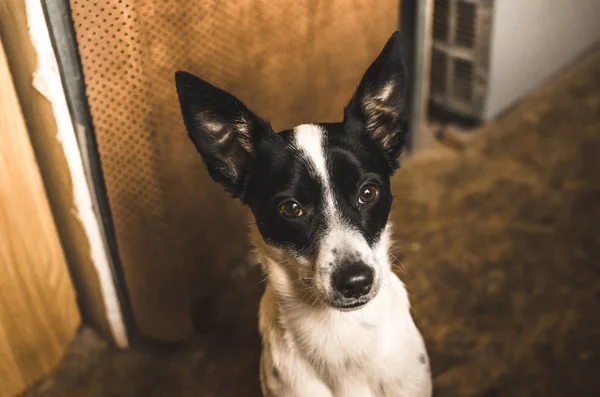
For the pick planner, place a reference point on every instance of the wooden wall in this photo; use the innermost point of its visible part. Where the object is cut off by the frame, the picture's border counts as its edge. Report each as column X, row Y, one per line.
column 38, row 311
column 41, row 126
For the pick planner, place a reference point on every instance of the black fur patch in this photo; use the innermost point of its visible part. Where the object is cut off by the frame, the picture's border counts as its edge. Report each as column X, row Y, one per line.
column 279, row 173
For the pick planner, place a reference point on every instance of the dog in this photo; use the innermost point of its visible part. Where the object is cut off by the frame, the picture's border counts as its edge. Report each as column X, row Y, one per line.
column 334, row 319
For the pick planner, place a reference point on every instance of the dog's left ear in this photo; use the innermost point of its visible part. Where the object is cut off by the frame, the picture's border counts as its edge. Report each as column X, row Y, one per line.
column 378, row 106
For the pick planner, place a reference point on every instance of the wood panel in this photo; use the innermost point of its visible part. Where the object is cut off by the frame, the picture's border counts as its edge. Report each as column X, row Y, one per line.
column 38, row 311
column 41, row 125
column 179, row 236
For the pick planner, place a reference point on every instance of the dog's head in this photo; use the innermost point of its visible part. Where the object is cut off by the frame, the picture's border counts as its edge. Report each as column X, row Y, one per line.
column 320, row 193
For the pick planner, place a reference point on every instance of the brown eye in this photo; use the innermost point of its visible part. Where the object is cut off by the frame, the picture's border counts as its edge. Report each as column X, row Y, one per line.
column 368, row 193
column 290, row 209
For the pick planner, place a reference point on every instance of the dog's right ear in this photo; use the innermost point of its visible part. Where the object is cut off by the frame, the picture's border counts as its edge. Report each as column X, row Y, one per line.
column 222, row 128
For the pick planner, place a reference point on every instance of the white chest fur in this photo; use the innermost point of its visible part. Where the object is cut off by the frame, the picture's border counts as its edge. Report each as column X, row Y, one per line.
column 319, row 351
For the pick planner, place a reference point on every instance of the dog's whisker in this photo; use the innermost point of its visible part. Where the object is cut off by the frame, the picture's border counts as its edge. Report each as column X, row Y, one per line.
column 265, row 278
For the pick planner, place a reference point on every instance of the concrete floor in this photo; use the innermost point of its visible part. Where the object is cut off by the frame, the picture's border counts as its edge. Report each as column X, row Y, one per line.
column 498, row 243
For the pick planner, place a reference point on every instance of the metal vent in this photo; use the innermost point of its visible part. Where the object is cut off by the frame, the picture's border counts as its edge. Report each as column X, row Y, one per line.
column 463, row 80
column 459, row 67
column 441, row 17
column 439, row 65
column 465, row 24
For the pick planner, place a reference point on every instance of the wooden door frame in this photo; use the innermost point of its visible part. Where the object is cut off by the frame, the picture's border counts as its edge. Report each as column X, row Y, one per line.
column 51, row 92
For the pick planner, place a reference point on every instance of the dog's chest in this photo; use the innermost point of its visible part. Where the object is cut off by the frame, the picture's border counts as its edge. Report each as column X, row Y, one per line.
column 354, row 364
column 342, row 345
column 370, row 353
column 356, row 354
column 371, row 365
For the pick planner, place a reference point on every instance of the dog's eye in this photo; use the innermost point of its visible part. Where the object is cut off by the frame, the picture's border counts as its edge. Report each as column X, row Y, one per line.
column 290, row 209
column 368, row 193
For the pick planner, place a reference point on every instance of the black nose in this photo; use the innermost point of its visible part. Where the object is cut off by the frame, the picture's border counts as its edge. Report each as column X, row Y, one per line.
column 354, row 280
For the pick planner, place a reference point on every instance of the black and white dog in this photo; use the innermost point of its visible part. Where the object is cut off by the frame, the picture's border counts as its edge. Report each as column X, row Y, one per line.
column 334, row 318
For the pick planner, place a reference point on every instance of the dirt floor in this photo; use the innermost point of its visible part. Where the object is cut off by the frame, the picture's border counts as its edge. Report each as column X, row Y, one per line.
column 498, row 243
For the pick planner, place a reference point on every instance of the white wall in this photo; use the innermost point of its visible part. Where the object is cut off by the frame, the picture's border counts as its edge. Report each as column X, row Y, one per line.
column 532, row 40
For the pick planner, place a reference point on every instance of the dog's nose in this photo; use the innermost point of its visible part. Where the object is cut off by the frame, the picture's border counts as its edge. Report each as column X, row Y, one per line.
column 354, row 280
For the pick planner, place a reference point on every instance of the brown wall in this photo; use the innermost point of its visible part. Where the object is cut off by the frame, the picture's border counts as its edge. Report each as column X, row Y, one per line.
column 38, row 311
column 291, row 61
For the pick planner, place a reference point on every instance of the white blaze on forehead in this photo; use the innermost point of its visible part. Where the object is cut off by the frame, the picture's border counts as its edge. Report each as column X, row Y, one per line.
column 309, row 140
column 339, row 236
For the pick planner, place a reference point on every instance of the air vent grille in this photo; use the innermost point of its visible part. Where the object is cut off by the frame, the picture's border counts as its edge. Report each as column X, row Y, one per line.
column 439, row 65
column 465, row 24
column 441, row 18
column 463, row 80
column 458, row 73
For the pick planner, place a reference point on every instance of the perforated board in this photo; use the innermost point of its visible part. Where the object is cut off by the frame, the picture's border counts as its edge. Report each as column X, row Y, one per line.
column 291, row 61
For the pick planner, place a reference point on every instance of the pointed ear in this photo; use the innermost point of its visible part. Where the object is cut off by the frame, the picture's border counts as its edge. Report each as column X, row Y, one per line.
column 378, row 106
column 222, row 128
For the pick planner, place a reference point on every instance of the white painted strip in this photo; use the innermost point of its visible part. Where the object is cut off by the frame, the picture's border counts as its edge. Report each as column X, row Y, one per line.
column 47, row 81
